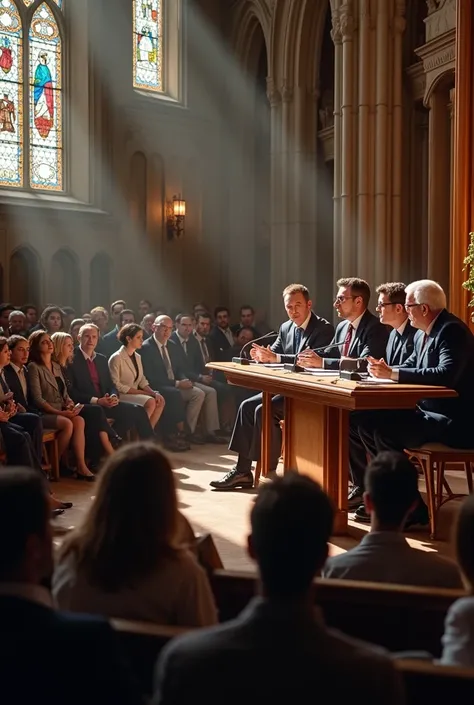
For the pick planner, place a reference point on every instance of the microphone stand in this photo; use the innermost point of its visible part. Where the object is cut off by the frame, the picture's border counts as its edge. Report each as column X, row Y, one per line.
column 241, row 360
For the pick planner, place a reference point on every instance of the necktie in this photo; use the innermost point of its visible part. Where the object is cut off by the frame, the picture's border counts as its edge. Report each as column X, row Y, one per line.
column 185, row 347
column 167, row 362
column 347, row 341
column 22, row 377
column 205, row 351
column 3, row 383
column 298, row 336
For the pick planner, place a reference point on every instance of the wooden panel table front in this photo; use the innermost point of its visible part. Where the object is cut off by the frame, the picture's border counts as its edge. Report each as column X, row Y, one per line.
column 317, row 411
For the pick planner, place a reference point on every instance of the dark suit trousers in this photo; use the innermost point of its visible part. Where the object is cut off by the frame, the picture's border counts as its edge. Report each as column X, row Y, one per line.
column 32, row 424
column 95, row 421
column 175, row 410
column 18, row 446
column 128, row 416
column 246, row 436
column 371, row 432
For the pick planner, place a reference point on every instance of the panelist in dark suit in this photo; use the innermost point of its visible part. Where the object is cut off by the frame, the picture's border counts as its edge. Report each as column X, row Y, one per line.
column 360, row 334
column 33, row 634
column 392, row 312
column 91, row 383
column 443, row 355
column 291, row 524
column 304, row 329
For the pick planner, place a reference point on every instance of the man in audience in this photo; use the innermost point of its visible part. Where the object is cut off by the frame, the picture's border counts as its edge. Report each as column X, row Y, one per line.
column 31, row 313
column 291, row 522
column 304, row 329
column 144, row 308
column 247, row 320
column 5, row 310
column 69, row 314
column 147, row 324
column 17, row 324
column 110, row 342
column 443, row 356
column 392, row 312
column 162, row 363
column 221, row 334
column 201, row 378
column 16, row 373
column 91, row 384
column 384, row 555
column 116, row 309
column 100, row 318
column 33, row 635
column 360, row 334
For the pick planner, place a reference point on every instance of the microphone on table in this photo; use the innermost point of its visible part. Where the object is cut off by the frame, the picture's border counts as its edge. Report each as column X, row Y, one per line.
column 241, row 360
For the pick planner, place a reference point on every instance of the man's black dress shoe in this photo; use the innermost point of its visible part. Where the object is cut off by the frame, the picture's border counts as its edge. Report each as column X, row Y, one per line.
column 215, row 438
column 234, row 480
column 362, row 515
column 66, row 505
column 354, row 499
column 57, row 512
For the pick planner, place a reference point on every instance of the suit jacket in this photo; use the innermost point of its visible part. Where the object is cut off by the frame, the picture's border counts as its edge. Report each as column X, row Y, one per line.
column 318, row 333
column 33, row 634
column 123, row 372
column 387, row 557
column 82, row 388
column 446, row 359
column 154, row 367
column 400, row 347
column 44, row 388
column 199, row 666
column 458, row 637
column 110, row 343
column 222, row 347
column 370, row 338
column 14, row 383
column 192, row 360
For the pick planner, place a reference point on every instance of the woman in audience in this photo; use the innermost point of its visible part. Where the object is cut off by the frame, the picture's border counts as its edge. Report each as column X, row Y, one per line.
column 127, row 558
column 458, row 638
column 52, row 319
column 126, row 370
column 74, row 329
column 49, row 395
column 99, row 433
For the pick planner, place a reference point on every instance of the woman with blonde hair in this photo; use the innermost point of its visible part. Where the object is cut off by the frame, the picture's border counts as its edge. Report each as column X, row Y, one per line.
column 98, row 432
column 126, row 370
column 127, row 558
column 49, row 394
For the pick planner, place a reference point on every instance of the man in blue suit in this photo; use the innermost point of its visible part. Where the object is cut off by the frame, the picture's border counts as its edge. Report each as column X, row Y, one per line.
column 88, row 667
column 392, row 312
column 443, row 355
column 303, row 330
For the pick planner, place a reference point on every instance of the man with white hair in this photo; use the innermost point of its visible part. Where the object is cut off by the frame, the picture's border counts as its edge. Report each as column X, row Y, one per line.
column 443, row 355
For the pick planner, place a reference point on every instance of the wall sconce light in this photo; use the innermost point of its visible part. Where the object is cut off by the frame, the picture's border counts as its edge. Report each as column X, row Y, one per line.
column 175, row 215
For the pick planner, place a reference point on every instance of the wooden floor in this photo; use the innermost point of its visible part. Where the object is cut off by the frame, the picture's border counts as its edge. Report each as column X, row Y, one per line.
column 225, row 514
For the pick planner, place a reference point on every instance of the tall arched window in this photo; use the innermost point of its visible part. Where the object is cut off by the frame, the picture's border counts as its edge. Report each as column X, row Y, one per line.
column 31, row 114
column 157, row 26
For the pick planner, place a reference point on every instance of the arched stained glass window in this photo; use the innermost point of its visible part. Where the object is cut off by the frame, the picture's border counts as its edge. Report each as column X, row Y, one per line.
column 31, row 115
column 148, row 45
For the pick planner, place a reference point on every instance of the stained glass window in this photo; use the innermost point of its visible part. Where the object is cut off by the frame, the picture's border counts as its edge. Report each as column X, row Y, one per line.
column 148, row 45
column 11, row 96
column 31, row 149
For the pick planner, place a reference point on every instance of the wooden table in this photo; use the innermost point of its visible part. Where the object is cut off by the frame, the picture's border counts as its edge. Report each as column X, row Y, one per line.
column 317, row 419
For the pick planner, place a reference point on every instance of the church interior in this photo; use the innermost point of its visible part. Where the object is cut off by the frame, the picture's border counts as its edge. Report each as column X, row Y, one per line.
column 182, row 159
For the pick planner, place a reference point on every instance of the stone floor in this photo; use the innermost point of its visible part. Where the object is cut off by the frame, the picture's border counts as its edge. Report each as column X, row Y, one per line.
column 225, row 514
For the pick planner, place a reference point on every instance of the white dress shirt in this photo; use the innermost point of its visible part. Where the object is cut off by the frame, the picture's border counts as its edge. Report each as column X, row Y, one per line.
column 302, row 327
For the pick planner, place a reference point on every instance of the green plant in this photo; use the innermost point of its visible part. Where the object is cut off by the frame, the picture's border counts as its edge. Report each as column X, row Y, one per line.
column 469, row 266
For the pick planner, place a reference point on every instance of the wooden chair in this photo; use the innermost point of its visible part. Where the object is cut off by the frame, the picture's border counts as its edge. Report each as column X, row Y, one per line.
column 397, row 617
column 50, row 462
column 432, row 458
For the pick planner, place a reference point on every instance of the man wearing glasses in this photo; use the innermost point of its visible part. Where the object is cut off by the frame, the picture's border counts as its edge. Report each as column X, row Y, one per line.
column 392, row 312
column 360, row 334
column 443, row 355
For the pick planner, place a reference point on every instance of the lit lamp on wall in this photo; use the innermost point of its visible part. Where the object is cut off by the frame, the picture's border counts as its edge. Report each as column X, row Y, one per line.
column 175, row 215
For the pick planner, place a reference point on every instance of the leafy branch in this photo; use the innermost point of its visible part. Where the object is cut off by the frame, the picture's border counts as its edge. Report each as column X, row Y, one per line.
column 469, row 266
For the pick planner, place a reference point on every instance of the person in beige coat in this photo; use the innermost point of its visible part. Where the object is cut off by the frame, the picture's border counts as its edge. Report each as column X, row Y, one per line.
column 126, row 370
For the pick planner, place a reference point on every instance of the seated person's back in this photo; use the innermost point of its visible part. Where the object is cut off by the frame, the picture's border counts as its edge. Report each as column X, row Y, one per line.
column 41, row 648
column 384, row 555
column 291, row 524
column 129, row 558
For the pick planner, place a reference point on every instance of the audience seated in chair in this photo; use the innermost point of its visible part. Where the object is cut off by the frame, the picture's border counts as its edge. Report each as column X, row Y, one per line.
column 458, row 639
column 34, row 636
column 384, row 555
column 291, row 523
column 110, row 341
column 127, row 559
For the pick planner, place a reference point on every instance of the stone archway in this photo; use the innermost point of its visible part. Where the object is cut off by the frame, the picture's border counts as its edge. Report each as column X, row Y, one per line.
column 65, row 283
column 100, row 280
column 25, row 276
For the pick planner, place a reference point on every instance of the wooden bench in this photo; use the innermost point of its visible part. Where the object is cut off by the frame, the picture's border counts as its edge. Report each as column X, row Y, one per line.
column 425, row 683
column 397, row 617
column 432, row 458
column 50, row 462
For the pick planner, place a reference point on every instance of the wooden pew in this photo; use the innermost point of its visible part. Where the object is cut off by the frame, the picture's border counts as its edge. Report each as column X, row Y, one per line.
column 425, row 682
column 398, row 617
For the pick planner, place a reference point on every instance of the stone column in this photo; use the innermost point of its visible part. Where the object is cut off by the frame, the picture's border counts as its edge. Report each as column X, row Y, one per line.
column 398, row 241
column 277, row 188
column 365, row 232
column 382, row 141
column 337, row 39
column 438, row 193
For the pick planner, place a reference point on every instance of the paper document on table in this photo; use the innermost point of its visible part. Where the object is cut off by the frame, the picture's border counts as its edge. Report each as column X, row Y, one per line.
column 274, row 365
column 376, row 380
column 318, row 371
